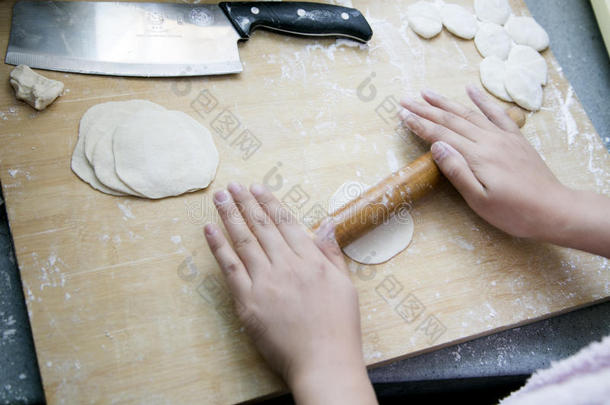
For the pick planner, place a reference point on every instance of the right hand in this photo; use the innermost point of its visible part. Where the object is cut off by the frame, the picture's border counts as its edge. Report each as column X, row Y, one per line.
column 484, row 155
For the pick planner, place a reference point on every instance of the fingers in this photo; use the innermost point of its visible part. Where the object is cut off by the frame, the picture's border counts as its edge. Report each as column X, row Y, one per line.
column 326, row 242
column 235, row 273
column 458, row 109
column 244, row 242
column 432, row 132
column 492, row 110
column 443, row 118
column 456, row 169
column 293, row 233
column 258, row 221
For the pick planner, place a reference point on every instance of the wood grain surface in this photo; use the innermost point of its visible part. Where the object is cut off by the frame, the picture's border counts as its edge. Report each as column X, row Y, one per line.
column 126, row 302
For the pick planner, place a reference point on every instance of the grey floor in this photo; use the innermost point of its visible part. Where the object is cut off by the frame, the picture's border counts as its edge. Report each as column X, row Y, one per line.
column 577, row 44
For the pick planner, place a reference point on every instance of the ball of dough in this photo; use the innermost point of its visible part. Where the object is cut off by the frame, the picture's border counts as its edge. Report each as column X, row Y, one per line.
column 34, row 89
column 492, row 39
column 524, row 88
column 495, row 11
column 162, row 154
column 527, row 58
column 424, row 19
column 492, row 71
column 459, row 21
column 526, row 31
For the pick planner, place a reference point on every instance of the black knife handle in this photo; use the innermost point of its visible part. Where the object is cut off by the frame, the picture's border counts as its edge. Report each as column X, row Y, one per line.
column 301, row 18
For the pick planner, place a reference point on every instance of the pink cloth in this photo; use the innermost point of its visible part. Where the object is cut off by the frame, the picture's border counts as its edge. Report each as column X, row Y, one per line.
column 581, row 379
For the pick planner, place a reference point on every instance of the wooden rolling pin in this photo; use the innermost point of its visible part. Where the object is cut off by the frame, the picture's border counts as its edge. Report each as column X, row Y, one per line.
column 397, row 191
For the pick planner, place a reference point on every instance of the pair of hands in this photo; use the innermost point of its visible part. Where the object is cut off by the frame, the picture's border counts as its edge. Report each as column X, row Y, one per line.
column 293, row 292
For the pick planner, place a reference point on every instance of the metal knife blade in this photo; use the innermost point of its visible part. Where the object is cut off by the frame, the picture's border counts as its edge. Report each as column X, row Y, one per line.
column 123, row 39
column 161, row 39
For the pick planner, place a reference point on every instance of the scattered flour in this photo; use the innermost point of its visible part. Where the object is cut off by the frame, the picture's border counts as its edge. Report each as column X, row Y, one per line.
column 127, row 214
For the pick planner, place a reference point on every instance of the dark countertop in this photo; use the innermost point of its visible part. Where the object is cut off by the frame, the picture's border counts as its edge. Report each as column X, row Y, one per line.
column 503, row 359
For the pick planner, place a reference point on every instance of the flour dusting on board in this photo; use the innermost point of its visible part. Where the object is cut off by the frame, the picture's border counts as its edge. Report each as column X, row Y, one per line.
column 461, row 242
column 127, row 214
column 392, row 161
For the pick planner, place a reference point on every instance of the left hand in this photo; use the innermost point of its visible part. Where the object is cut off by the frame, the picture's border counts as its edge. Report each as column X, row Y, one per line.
column 293, row 295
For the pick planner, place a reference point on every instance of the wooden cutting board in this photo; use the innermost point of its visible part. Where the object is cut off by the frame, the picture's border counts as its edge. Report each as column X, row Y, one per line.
column 125, row 300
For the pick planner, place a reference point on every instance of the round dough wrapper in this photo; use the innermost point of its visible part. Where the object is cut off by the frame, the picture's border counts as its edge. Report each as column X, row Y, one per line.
column 459, row 21
column 495, row 11
column 492, row 71
column 492, row 40
column 81, row 167
column 524, row 88
column 105, row 117
column 384, row 241
column 529, row 59
column 424, row 19
column 526, row 31
column 103, row 165
column 162, row 154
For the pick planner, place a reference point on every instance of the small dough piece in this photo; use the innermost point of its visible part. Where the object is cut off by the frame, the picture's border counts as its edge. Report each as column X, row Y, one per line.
column 81, row 167
column 459, row 21
column 34, row 89
column 492, row 71
column 524, row 88
column 492, row 39
column 162, row 154
column 526, row 31
column 104, row 118
column 381, row 243
column 495, row 11
column 103, row 165
column 527, row 58
column 424, row 19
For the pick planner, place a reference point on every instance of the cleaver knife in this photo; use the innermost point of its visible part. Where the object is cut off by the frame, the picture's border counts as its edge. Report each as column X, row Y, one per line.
column 161, row 39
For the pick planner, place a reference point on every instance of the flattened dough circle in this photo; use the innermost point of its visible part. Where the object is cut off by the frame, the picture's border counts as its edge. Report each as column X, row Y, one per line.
column 105, row 117
column 103, row 165
column 164, row 154
column 383, row 242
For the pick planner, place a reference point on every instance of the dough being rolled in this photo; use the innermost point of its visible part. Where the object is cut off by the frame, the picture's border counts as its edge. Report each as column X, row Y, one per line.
column 381, row 243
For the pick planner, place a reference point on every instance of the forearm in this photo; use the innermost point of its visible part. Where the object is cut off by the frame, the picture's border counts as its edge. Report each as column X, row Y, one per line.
column 583, row 222
column 340, row 385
